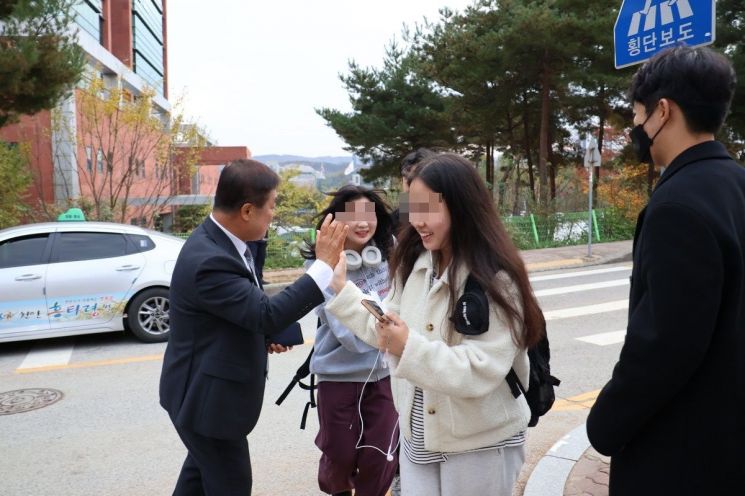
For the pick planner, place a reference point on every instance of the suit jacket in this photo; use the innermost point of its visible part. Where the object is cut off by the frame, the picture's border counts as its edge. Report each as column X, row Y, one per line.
column 672, row 416
column 214, row 368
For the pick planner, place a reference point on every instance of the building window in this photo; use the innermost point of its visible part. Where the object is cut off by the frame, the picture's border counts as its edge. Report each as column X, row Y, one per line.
column 99, row 160
column 195, row 180
column 147, row 42
column 88, row 16
column 89, row 158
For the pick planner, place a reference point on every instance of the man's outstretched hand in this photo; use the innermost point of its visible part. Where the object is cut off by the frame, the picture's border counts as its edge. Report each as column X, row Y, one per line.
column 330, row 241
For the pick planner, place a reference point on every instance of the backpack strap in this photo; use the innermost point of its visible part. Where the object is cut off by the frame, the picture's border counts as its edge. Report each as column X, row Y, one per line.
column 310, row 404
column 472, row 284
column 515, row 385
column 302, row 372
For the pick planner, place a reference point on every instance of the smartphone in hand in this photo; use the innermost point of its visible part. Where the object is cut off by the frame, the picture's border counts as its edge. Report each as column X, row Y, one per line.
column 374, row 309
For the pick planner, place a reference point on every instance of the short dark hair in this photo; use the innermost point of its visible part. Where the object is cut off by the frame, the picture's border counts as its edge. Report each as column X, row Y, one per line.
column 699, row 80
column 412, row 159
column 244, row 181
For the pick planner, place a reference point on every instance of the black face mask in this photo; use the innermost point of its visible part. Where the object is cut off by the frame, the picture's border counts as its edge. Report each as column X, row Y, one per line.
column 642, row 143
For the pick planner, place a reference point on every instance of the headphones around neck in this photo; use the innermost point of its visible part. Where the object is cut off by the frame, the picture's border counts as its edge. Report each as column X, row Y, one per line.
column 370, row 257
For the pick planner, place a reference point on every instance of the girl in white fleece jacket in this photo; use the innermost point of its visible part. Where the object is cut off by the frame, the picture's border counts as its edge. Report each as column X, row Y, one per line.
column 462, row 430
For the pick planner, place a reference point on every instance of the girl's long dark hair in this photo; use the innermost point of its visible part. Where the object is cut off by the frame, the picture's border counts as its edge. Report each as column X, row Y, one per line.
column 479, row 241
column 383, row 236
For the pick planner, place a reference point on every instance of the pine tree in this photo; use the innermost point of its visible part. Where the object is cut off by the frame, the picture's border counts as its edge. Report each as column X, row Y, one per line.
column 394, row 111
column 40, row 61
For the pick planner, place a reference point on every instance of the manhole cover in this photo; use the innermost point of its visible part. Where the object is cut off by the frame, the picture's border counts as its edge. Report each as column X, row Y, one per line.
column 24, row 400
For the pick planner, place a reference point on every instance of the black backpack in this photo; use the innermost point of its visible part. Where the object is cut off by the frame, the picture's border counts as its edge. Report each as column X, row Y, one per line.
column 302, row 372
column 540, row 394
column 471, row 317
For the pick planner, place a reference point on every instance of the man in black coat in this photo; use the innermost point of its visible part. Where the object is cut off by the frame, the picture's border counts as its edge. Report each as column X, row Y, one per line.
column 672, row 416
column 214, row 369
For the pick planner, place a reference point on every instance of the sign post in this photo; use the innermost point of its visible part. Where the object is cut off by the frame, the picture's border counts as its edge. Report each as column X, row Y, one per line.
column 592, row 160
column 645, row 27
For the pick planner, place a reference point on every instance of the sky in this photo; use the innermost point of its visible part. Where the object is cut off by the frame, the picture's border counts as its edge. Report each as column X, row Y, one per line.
column 252, row 72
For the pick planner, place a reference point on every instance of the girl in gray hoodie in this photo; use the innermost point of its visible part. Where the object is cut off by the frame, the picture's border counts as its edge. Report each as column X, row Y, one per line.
column 357, row 420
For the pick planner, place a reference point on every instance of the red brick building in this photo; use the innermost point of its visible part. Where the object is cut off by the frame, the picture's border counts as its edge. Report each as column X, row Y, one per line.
column 126, row 45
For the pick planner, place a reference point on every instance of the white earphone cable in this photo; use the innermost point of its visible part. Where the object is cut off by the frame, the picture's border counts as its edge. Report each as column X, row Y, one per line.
column 389, row 453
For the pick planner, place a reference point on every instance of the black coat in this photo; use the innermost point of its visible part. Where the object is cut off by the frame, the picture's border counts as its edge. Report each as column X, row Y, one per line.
column 672, row 416
column 214, row 367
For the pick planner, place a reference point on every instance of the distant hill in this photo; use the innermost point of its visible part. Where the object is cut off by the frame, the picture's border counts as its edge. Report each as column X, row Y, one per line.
column 332, row 166
column 283, row 159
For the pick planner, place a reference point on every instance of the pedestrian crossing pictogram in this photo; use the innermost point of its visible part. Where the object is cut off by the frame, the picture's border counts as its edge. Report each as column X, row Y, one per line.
column 649, row 14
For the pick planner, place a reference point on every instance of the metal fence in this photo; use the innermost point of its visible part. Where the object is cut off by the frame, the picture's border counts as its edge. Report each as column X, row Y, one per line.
column 566, row 229
column 527, row 231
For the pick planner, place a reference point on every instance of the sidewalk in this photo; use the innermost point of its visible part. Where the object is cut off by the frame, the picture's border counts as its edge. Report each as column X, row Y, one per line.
column 571, row 467
column 589, row 477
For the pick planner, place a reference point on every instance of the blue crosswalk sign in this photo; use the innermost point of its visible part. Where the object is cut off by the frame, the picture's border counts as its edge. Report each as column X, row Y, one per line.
column 645, row 27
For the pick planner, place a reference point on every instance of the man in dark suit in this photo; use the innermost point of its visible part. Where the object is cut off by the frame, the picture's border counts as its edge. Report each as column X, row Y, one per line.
column 672, row 417
column 214, row 369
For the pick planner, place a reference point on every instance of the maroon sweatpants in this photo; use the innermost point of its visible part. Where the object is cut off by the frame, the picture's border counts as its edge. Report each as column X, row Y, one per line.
column 342, row 466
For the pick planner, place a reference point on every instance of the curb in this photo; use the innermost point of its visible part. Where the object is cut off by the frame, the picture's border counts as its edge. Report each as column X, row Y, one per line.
column 550, row 475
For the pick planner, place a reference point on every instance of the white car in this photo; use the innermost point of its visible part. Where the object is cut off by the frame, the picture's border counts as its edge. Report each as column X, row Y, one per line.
column 67, row 278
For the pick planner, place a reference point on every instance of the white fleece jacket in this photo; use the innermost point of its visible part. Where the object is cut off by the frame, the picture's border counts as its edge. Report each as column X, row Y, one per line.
column 467, row 402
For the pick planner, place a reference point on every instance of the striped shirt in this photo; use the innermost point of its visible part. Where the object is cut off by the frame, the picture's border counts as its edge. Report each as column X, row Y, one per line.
column 417, row 453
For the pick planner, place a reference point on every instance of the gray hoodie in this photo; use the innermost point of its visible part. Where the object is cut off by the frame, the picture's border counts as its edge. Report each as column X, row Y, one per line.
column 338, row 354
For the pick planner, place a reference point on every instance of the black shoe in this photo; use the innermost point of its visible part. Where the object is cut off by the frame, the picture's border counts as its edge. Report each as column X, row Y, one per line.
column 343, row 493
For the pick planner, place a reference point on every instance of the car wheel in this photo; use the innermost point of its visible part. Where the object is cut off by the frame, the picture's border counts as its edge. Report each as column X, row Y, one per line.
column 147, row 317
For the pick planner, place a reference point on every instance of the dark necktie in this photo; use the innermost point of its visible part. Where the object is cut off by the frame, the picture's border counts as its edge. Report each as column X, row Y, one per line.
column 251, row 268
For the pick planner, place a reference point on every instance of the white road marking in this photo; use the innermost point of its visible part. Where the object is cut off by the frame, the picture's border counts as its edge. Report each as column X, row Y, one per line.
column 582, row 287
column 566, row 313
column 604, row 338
column 566, row 275
column 46, row 355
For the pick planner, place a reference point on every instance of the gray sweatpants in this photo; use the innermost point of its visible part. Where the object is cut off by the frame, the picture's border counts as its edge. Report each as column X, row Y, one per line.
column 483, row 473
